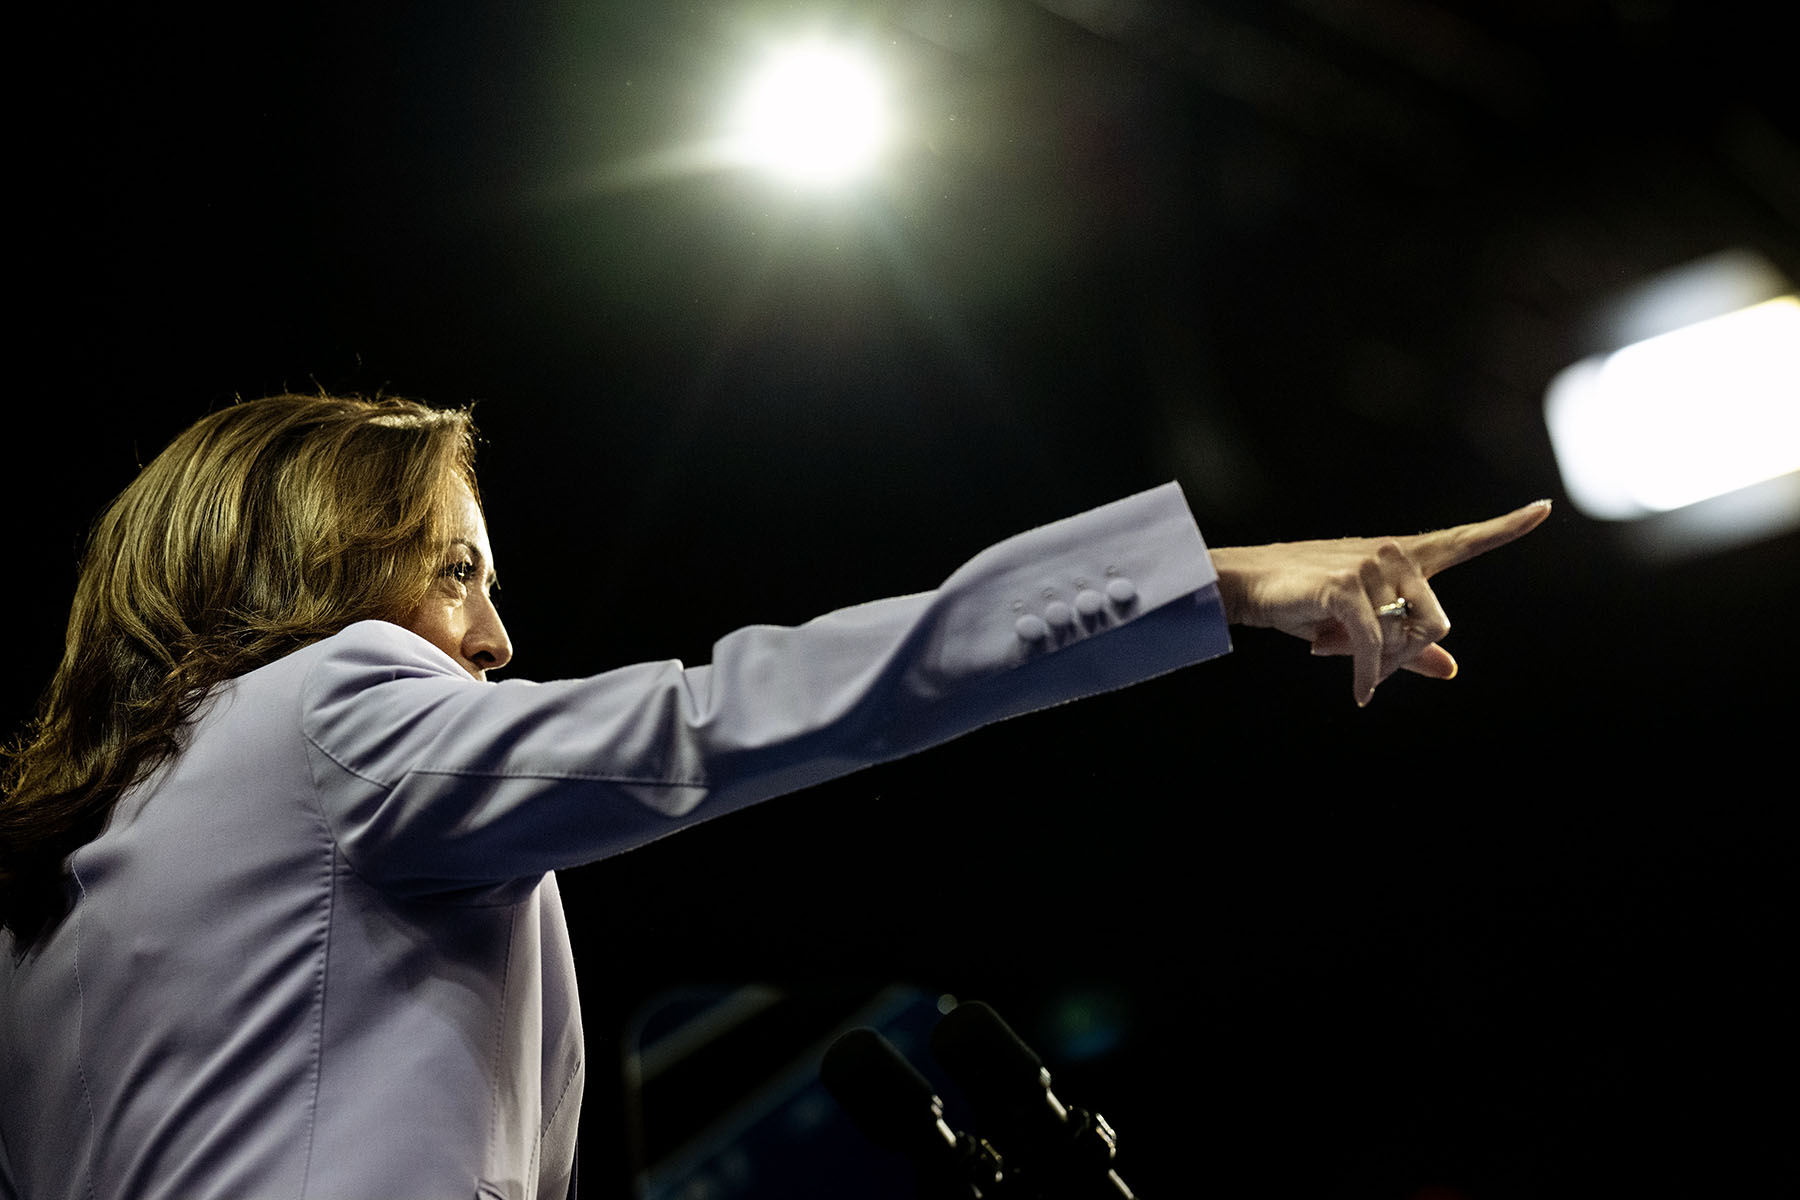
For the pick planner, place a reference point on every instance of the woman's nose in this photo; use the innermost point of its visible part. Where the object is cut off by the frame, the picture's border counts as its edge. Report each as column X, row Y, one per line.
column 486, row 644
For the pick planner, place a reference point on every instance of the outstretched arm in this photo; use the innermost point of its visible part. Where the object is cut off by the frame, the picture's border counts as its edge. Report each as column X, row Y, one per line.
column 1341, row 595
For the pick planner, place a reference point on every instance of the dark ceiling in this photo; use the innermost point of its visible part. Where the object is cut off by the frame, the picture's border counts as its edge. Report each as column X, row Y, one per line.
column 1317, row 260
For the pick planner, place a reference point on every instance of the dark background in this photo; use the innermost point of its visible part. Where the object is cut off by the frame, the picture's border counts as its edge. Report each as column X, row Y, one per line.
column 1517, row 935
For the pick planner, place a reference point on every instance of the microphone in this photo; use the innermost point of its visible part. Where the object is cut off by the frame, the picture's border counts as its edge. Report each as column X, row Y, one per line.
column 1065, row 1152
column 896, row 1109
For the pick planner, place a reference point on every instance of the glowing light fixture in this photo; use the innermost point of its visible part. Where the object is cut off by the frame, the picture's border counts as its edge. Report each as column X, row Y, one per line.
column 1683, row 416
column 814, row 112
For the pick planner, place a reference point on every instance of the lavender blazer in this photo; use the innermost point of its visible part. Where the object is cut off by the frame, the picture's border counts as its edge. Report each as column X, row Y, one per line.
column 321, row 954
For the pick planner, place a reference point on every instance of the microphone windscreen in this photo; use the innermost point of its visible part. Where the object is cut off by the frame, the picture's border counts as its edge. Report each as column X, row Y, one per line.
column 984, row 1056
column 884, row 1094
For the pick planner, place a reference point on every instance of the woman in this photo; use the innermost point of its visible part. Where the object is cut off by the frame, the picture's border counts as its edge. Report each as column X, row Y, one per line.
column 278, row 862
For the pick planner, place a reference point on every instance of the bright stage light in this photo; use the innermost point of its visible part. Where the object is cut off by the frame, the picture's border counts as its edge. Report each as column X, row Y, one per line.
column 1683, row 416
column 814, row 112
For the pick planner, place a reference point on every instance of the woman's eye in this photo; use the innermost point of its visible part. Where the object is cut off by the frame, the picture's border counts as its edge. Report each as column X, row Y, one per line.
column 462, row 572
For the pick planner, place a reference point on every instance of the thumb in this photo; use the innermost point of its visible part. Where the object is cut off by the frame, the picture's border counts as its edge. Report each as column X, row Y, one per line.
column 1434, row 662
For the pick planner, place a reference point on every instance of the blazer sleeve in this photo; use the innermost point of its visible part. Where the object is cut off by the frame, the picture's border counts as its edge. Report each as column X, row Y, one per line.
column 432, row 781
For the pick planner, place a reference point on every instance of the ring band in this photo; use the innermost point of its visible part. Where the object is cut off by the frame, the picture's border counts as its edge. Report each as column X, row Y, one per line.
column 1399, row 608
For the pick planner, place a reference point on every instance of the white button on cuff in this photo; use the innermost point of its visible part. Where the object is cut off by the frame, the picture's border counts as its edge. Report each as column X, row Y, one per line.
column 1031, row 627
column 1088, row 602
column 1121, row 590
column 1059, row 614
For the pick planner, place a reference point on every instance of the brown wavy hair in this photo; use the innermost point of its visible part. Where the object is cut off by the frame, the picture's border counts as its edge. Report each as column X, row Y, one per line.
column 262, row 528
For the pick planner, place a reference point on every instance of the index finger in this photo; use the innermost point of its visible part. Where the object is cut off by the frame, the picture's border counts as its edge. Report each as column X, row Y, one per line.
column 1443, row 548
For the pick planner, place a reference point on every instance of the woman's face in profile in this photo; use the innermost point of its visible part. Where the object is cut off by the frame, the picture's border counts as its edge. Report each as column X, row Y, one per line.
column 458, row 617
